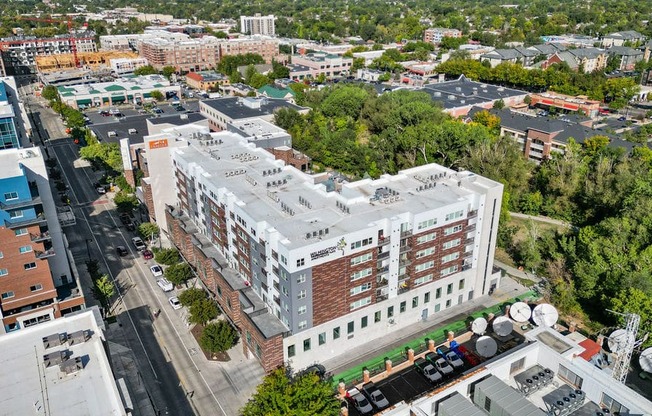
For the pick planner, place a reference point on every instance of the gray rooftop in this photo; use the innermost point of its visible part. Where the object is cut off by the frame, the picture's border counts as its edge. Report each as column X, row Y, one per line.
column 451, row 94
column 623, row 51
column 506, row 397
column 237, row 108
column 177, row 119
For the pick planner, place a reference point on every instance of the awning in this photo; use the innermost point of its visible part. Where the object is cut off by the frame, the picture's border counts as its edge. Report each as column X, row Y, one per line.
column 117, row 99
column 84, row 101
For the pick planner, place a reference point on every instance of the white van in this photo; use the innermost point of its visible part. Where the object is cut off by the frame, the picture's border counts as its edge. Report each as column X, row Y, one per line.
column 165, row 285
column 133, row 131
column 112, row 133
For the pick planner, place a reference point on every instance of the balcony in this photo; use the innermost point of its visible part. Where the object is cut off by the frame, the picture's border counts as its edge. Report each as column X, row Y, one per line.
column 470, row 227
column 406, row 233
column 18, row 204
column 37, row 238
column 469, row 241
column 466, row 267
column 382, row 241
column 44, row 254
column 382, row 269
column 405, row 249
column 472, row 214
column 380, row 298
column 404, row 262
column 13, row 224
column 383, row 255
column 403, row 287
column 381, row 282
column 277, row 300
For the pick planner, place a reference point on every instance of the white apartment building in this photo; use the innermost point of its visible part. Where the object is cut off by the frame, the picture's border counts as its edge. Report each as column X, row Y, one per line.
column 122, row 66
column 301, row 270
column 131, row 42
column 258, row 25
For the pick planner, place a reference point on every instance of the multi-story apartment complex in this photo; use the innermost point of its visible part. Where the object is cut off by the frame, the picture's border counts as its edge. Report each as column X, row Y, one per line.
column 624, row 38
column 122, row 66
column 257, row 25
column 19, row 53
column 9, row 132
column 36, row 283
column 130, row 42
column 315, row 64
column 262, row 45
column 436, row 34
column 305, row 271
column 188, row 55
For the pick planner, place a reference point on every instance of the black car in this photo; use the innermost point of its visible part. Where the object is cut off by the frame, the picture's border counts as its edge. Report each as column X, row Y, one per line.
column 130, row 226
column 122, row 251
column 125, row 218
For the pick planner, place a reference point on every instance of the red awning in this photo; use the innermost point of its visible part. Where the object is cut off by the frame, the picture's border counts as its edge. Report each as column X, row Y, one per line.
column 591, row 348
column 549, row 102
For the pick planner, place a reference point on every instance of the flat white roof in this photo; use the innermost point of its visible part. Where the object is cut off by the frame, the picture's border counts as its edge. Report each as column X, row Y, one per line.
column 27, row 387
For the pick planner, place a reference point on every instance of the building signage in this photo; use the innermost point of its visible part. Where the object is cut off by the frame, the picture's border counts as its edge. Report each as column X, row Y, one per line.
column 157, row 144
column 325, row 252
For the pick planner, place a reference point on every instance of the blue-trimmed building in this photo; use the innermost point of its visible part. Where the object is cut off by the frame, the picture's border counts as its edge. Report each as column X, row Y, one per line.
column 9, row 137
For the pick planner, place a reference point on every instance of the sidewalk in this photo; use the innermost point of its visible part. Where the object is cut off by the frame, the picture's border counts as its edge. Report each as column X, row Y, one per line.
column 359, row 355
column 520, row 274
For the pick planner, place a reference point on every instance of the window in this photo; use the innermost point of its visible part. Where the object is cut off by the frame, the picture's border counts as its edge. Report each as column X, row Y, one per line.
column 302, row 294
column 360, row 303
column 20, row 231
column 306, row 344
column 350, row 327
column 437, row 307
column 301, row 262
column 36, row 287
column 424, row 279
column 8, row 295
column 614, row 406
column 285, row 291
column 336, row 332
column 321, row 338
column 11, row 195
column 454, row 215
column 426, row 297
column 284, row 275
column 425, row 252
column 363, row 322
column 377, row 317
column 284, row 260
column 303, row 324
column 424, row 266
column 4, row 272
column 448, row 303
column 301, row 278
column 402, row 307
column 16, row 214
column 452, row 243
column 427, row 224
column 461, row 285
column 25, row 249
column 425, row 238
column 415, row 301
column 449, row 289
column 450, row 257
column 361, row 243
column 291, row 351
column 2, row 254
column 361, row 274
column 390, row 311
column 572, row 378
column 302, row 309
column 30, row 266
column 438, row 293
column 453, row 230
column 361, row 258
column 449, row 270
column 359, row 289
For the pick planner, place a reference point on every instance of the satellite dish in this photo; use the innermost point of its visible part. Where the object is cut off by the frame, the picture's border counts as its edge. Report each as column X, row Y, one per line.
column 645, row 360
column 502, row 326
column 486, row 346
column 545, row 315
column 617, row 340
column 479, row 326
column 520, row 312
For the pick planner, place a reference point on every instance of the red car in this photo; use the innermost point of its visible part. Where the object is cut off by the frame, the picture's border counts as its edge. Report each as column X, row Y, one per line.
column 148, row 255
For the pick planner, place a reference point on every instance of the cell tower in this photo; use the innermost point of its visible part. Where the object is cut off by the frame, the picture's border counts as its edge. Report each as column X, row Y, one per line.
column 625, row 347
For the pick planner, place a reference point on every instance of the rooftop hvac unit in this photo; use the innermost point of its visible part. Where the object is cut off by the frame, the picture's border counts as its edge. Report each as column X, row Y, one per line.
column 54, row 340
column 55, row 358
column 72, row 365
column 79, row 337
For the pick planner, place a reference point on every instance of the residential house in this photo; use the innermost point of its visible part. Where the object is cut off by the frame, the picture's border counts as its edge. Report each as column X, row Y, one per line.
column 625, row 38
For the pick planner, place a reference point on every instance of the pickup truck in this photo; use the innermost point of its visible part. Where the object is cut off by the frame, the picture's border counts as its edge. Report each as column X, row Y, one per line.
column 452, row 358
column 440, row 364
column 359, row 401
column 374, row 395
column 428, row 370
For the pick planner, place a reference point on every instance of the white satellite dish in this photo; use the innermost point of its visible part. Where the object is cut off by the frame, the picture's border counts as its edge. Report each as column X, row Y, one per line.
column 502, row 326
column 545, row 315
column 479, row 326
column 486, row 346
column 617, row 340
column 645, row 360
column 520, row 312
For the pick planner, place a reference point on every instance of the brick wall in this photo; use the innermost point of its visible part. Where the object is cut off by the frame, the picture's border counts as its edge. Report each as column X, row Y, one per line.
column 330, row 290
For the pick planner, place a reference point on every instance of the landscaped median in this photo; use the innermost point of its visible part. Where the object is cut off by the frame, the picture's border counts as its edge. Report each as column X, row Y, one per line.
column 354, row 375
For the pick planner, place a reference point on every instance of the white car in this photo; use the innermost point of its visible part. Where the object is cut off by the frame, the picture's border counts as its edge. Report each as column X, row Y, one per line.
column 443, row 366
column 454, row 359
column 101, row 190
column 138, row 243
column 174, row 302
column 165, row 285
column 156, row 270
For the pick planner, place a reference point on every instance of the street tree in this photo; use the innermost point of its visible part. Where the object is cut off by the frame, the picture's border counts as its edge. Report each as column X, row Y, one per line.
column 167, row 256
column 191, row 296
column 125, row 202
column 167, row 71
column 203, row 311
column 303, row 396
column 50, row 93
column 145, row 70
column 178, row 273
column 218, row 337
column 148, row 231
column 157, row 95
column 104, row 289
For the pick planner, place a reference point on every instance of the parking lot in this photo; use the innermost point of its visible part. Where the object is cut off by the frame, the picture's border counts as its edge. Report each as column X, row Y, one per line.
column 130, row 111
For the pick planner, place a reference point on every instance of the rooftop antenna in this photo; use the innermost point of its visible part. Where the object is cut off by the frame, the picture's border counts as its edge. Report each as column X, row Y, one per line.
column 626, row 347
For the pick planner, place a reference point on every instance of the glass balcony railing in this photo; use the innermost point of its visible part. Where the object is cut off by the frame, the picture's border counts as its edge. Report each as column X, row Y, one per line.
column 44, row 254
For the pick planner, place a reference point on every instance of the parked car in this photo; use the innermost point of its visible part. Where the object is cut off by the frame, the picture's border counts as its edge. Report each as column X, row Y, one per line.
column 156, row 270
column 122, row 251
column 147, row 254
column 317, row 369
column 440, row 364
column 622, row 118
column 174, row 302
column 125, row 218
column 138, row 243
column 359, row 401
column 428, row 370
column 130, row 226
column 374, row 395
column 452, row 358
column 165, row 284
column 100, row 190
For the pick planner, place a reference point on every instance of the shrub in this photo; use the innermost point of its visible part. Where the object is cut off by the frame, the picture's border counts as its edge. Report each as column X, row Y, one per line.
column 218, row 337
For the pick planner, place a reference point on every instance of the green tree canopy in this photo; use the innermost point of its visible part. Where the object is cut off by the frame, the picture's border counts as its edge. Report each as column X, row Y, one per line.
column 145, row 70
column 218, row 337
column 178, row 273
column 191, row 296
column 157, row 95
column 167, row 256
column 148, row 230
column 50, row 93
column 203, row 311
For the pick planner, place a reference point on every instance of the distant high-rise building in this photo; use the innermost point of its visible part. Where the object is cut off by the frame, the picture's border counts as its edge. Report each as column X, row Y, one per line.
column 258, row 25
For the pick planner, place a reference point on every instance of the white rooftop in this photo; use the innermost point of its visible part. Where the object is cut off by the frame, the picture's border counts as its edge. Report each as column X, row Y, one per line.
column 27, row 387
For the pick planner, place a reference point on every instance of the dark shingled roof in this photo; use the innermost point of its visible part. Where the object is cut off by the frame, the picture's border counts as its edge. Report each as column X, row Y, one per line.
column 234, row 109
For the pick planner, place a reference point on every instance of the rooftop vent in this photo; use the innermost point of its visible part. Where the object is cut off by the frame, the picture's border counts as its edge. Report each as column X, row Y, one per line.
column 55, row 358
column 54, row 340
column 72, row 365
column 79, row 337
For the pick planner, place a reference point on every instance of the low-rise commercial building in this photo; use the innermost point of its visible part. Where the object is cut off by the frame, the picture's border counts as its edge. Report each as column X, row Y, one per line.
column 222, row 111
column 318, row 64
column 206, row 80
